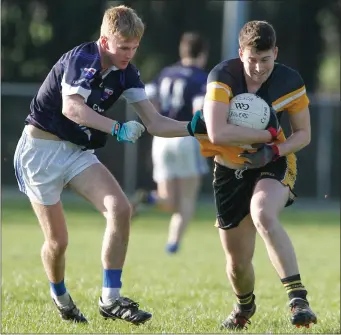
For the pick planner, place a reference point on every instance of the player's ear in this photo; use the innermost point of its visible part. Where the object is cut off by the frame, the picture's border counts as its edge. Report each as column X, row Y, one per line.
column 104, row 42
column 240, row 51
column 275, row 53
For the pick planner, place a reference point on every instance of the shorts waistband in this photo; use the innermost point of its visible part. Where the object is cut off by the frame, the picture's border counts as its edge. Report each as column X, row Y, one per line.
column 47, row 143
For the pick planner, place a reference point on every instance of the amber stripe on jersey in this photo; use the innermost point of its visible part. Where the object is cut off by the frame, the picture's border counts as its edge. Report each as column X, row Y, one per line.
column 218, row 91
column 293, row 102
column 290, row 175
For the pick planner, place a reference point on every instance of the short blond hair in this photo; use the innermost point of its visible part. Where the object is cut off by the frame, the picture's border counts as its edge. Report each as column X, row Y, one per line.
column 123, row 21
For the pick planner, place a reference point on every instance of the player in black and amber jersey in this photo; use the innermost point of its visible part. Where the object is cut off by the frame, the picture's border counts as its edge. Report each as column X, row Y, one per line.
column 252, row 188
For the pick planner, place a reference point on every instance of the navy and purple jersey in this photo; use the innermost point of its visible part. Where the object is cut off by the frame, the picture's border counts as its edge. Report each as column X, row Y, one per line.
column 178, row 89
column 79, row 72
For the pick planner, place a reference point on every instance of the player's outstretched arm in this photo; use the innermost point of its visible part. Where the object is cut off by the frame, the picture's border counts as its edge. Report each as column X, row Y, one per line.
column 157, row 124
column 221, row 133
column 76, row 110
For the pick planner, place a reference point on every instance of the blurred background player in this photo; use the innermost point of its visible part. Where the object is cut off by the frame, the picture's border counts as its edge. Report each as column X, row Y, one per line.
column 178, row 166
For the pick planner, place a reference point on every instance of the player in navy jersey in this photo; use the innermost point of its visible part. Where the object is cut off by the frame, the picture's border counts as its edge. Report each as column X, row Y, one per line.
column 177, row 91
column 67, row 121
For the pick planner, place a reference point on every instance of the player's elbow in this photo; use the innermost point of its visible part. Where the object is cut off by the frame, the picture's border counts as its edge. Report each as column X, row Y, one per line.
column 153, row 128
column 70, row 112
column 218, row 138
column 214, row 138
column 72, row 106
column 306, row 138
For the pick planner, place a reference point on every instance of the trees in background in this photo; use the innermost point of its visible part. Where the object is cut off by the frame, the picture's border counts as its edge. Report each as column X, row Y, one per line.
column 35, row 33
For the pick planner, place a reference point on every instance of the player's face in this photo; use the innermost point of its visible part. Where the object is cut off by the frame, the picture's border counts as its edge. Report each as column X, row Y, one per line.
column 119, row 51
column 203, row 59
column 258, row 65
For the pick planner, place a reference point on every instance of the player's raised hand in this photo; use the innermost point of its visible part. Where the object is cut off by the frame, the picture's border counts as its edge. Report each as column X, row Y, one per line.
column 127, row 132
column 197, row 125
column 273, row 126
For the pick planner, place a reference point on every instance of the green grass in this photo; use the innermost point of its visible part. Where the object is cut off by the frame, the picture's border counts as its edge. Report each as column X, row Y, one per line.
column 187, row 293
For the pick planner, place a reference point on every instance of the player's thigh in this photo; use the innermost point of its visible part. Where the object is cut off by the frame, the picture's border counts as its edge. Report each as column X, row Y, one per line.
column 269, row 197
column 97, row 185
column 52, row 222
column 167, row 193
column 239, row 242
column 188, row 189
column 39, row 167
column 274, row 188
column 232, row 196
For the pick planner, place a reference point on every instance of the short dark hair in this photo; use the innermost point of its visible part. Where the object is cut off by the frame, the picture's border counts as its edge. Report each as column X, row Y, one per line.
column 192, row 44
column 257, row 34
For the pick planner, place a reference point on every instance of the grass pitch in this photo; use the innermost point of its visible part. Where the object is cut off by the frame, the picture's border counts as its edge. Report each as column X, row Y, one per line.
column 187, row 292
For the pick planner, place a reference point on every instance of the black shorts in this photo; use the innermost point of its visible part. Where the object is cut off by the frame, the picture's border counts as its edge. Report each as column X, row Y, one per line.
column 233, row 189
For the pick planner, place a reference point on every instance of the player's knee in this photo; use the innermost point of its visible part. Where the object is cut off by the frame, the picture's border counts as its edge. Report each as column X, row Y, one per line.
column 56, row 247
column 118, row 211
column 168, row 205
column 264, row 219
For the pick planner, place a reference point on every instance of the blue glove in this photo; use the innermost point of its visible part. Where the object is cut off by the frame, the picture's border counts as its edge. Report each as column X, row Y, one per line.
column 127, row 132
column 197, row 125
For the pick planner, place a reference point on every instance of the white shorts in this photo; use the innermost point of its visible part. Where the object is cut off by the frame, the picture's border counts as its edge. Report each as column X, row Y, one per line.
column 44, row 167
column 177, row 157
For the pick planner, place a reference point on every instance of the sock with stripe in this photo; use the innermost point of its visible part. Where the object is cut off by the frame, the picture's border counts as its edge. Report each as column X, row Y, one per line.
column 59, row 293
column 246, row 301
column 111, row 285
column 294, row 287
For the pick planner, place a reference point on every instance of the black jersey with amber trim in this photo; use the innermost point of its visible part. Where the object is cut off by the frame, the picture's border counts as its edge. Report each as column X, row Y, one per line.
column 284, row 90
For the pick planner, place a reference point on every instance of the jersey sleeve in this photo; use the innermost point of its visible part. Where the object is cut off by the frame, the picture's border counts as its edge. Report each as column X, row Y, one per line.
column 134, row 88
column 294, row 98
column 219, row 84
column 78, row 73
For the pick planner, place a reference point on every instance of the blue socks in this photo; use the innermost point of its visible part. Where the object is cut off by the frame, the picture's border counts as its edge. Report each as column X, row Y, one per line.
column 111, row 285
column 112, row 278
column 59, row 294
column 58, row 289
column 151, row 198
column 172, row 248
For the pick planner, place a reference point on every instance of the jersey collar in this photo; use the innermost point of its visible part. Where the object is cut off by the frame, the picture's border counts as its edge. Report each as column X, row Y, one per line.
column 108, row 70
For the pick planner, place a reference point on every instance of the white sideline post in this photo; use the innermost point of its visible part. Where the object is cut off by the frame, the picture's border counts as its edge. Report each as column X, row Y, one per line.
column 234, row 17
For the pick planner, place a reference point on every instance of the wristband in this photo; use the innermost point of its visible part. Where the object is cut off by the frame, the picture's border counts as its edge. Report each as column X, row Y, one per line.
column 189, row 129
column 273, row 133
column 275, row 151
column 115, row 128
